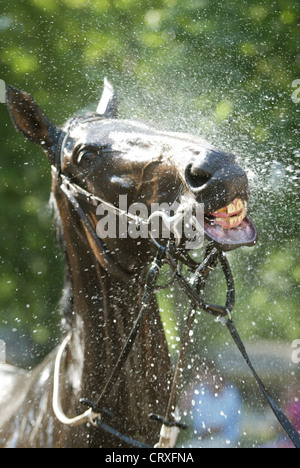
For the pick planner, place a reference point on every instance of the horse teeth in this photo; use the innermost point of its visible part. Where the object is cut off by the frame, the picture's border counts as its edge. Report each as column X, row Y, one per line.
column 231, row 208
column 239, row 204
column 232, row 221
column 222, row 210
column 232, row 215
column 240, row 218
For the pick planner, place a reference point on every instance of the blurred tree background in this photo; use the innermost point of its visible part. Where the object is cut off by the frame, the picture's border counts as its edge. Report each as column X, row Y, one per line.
column 220, row 69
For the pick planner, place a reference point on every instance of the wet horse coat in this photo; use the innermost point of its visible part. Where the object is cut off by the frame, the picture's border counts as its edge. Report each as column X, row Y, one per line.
column 108, row 157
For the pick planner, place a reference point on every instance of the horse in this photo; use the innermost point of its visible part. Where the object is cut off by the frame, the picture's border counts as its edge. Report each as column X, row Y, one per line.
column 94, row 158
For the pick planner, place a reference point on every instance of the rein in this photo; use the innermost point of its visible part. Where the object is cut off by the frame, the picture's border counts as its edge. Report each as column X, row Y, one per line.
column 193, row 287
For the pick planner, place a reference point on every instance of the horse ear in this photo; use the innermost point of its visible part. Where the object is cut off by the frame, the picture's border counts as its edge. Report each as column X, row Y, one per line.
column 29, row 120
column 108, row 105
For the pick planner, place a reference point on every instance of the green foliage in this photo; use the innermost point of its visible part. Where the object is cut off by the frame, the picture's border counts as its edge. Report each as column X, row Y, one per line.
column 221, row 69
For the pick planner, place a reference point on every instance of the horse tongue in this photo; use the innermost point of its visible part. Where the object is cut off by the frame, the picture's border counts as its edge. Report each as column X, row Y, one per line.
column 229, row 239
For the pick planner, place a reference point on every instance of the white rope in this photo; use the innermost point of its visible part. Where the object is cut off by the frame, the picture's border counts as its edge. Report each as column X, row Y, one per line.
column 88, row 416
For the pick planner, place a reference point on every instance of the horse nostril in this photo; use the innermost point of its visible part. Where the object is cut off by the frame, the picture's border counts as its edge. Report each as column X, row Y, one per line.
column 196, row 176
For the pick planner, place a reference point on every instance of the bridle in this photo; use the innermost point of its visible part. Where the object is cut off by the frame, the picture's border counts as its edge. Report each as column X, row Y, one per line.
column 191, row 278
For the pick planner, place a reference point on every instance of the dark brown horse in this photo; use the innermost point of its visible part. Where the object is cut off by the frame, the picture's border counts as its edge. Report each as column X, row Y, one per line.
column 106, row 157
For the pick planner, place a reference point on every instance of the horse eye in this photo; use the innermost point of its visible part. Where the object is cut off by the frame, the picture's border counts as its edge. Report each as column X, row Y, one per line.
column 86, row 156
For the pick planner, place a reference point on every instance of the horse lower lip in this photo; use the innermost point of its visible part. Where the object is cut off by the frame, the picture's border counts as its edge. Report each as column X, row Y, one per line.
column 244, row 234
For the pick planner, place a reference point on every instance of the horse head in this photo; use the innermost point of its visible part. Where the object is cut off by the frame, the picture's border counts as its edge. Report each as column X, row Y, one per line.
column 109, row 157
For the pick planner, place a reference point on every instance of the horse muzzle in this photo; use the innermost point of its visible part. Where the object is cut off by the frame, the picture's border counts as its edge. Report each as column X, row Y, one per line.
column 222, row 186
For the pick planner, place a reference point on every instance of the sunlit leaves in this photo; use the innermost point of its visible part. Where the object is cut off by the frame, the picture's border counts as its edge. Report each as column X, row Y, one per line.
column 100, row 45
column 224, row 109
column 20, row 60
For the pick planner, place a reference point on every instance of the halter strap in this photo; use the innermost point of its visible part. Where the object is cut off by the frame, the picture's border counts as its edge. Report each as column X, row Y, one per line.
column 97, row 245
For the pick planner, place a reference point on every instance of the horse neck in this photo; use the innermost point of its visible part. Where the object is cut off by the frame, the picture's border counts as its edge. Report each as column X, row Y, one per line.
column 104, row 309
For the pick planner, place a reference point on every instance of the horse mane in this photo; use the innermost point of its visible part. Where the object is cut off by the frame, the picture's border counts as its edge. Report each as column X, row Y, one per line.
column 66, row 300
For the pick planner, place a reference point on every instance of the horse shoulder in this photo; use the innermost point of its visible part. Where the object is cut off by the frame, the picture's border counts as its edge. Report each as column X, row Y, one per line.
column 24, row 397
